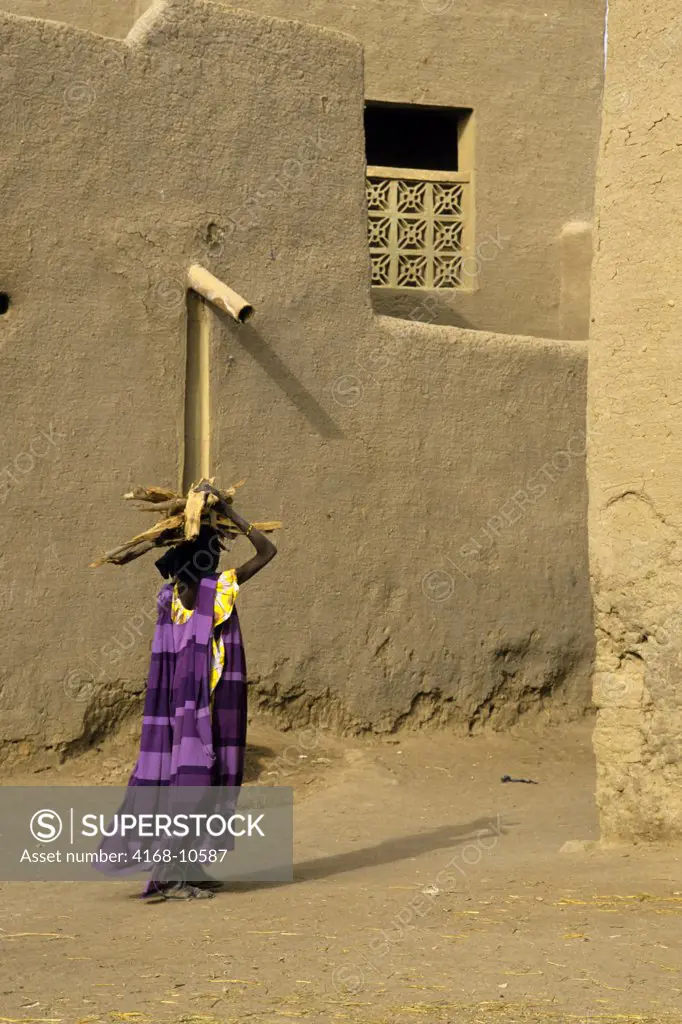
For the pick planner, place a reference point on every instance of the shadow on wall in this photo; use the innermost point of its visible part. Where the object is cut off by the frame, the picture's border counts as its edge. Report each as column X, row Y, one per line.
column 464, row 309
column 253, row 342
column 419, row 307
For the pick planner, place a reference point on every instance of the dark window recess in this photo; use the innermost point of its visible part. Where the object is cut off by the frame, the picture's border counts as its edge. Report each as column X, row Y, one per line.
column 4, row 303
column 409, row 136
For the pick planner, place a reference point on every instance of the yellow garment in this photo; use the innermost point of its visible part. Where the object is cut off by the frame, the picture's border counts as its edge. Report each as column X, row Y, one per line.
column 225, row 594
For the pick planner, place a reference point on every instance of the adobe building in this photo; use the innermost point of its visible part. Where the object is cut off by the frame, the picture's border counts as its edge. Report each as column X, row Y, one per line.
column 431, row 477
column 635, row 427
column 502, row 99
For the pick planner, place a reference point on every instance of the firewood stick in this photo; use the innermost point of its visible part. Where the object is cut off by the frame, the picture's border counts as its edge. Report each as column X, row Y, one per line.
column 111, row 556
column 171, row 523
column 172, row 506
column 135, row 552
column 152, row 534
column 230, row 492
column 268, row 527
column 154, row 494
column 193, row 509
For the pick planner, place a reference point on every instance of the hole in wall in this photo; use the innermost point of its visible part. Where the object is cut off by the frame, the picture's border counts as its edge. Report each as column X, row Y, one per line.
column 4, row 303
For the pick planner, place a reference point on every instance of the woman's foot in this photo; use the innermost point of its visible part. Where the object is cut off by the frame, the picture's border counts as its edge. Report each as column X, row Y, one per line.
column 187, row 891
column 159, row 891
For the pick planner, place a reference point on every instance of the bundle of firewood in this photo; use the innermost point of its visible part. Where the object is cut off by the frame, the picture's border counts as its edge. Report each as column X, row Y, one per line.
column 181, row 519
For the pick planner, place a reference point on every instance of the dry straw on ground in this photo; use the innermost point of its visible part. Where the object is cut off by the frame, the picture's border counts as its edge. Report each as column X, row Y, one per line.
column 181, row 519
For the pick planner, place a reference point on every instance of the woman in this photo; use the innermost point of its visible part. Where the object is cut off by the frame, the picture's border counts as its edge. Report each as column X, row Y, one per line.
column 194, row 725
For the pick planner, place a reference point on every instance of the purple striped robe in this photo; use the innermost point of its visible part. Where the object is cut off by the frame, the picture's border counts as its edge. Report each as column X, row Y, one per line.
column 189, row 737
column 184, row 741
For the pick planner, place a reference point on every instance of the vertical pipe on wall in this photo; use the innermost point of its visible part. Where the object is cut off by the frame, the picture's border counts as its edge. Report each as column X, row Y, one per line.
column 197, row 427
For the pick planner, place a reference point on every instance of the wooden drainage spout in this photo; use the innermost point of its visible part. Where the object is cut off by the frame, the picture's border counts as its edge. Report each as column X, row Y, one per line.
column 214, row 291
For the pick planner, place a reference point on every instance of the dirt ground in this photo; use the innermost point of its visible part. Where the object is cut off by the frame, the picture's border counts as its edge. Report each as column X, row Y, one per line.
column 375, row 928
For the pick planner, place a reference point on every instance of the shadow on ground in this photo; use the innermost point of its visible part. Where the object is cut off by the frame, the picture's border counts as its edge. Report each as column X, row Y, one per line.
column 257, row 760
column 389, row 851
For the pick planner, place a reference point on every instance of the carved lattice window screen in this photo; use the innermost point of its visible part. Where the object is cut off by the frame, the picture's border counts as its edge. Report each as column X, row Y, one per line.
column 417, row 222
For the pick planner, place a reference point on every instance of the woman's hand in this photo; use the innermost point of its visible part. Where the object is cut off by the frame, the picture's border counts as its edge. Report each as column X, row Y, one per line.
column 232, row 514
column 207, row 488
column 265, row 549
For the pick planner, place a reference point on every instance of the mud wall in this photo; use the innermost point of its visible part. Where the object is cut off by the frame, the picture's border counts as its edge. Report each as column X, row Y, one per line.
column 105, row 17
column 533, row 73
column 635, row 429
column 433, row 566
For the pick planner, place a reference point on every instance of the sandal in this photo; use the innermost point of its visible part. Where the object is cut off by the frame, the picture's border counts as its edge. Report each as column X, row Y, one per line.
column 202, row 892
column 185, row 891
